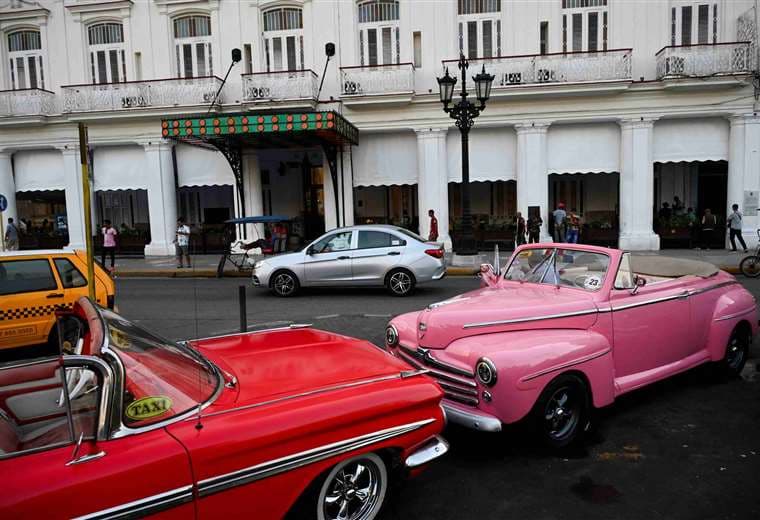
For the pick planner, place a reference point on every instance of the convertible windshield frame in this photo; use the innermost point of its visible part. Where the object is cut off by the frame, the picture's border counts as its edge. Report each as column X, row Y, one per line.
column 116, row 426
column 540, row 272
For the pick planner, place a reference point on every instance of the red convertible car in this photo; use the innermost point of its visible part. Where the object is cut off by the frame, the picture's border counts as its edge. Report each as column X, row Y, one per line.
column 261, row 425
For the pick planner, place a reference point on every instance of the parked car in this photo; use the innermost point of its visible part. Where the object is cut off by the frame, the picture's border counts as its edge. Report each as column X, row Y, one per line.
column 569, row 328
column 371, row 255
column 34, row 284
column 247, row 425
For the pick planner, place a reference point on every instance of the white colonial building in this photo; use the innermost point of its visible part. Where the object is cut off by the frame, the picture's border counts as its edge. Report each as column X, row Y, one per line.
column 610, row 106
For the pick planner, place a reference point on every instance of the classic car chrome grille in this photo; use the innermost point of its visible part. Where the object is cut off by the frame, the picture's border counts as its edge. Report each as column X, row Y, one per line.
column 458, row 384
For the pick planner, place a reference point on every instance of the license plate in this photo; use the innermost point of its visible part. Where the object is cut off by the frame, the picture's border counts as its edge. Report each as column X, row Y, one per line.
column 18, row 332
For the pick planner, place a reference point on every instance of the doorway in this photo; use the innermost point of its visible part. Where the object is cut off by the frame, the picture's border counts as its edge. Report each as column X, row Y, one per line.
column 595, row 198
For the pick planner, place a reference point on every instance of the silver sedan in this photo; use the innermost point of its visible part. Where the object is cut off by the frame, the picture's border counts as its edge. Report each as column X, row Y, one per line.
column 371, row 255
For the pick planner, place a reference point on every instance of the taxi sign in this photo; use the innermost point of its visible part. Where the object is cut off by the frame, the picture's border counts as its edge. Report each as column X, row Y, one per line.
column 148, row 407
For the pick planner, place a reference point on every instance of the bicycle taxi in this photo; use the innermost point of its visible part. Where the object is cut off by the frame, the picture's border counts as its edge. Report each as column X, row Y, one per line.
column 243, row 253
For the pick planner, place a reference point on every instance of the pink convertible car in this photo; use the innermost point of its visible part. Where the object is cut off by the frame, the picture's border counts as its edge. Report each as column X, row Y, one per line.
column 565, row 329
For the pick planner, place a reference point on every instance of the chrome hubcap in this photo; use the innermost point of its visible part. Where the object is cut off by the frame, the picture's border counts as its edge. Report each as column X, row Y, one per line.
column 284, row 284
column 353, row 492
column 735, row 353
column 400, row 282
column 561, row 413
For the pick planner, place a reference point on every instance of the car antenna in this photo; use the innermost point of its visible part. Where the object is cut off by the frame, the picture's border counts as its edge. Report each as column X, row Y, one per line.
column 198, row 423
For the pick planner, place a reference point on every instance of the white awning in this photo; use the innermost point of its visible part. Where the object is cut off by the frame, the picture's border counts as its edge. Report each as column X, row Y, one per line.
column 119, row 168
column 493, row 154
column 38, row 170
column 386, row 159
column 704, row 139
column 583, row 148
column 198, row 166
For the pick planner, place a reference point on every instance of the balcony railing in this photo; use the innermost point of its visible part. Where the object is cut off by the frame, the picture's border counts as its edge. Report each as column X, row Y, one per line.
column 26, row 102
column 130, row 95
column 263, row 87
column 703, row 60
column 570, row 67
column 380, row 79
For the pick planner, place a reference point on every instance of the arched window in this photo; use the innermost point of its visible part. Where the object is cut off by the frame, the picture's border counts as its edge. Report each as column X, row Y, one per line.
column 25, row 55
column 479, row 28
column 192, row 40
column 379, row 32
column 107, row 55
column 283, row 38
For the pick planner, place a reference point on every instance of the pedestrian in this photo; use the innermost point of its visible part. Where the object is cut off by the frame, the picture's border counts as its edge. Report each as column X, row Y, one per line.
column 734, row 224
column 109, row 243
column 433, row 236
column 573, row 227
column 11, row 236
column 520, row 234
column 665, row 213
column 183, row 243
column 708, row 228
column 691, row 222
column 534, row 228
column 677, row 205
column 560, row 218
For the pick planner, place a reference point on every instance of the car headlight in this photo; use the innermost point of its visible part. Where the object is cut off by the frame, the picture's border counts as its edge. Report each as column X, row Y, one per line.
column 258, row 265
column 486, row 371
column 391, row 336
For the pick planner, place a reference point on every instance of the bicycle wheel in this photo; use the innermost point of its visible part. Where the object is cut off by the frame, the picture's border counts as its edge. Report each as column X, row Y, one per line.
column 750, row 266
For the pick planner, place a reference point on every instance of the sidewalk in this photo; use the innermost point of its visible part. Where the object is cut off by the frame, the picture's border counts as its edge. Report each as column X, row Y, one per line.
column 204, row 266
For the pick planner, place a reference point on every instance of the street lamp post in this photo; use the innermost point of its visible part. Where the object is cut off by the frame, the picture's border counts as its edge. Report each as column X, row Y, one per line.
column 464, row 113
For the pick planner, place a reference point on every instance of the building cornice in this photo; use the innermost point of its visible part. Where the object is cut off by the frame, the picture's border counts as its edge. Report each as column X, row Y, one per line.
column 25, row 11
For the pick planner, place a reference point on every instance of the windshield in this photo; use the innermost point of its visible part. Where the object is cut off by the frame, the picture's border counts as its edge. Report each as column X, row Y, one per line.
column 556, row 266
column 163, row 379
column 411, row 234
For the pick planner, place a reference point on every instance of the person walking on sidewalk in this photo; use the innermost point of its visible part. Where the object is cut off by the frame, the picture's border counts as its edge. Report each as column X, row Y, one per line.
column 735, row 228
column 708, row 228
column 433, row 236
column 183, row 243
column 11, row 236
column 109, row 243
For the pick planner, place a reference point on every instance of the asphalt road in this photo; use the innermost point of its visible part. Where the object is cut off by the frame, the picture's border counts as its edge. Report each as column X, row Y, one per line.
column 686, row 448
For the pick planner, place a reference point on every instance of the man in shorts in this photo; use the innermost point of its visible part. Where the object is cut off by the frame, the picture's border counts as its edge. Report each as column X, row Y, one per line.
column 183, row 243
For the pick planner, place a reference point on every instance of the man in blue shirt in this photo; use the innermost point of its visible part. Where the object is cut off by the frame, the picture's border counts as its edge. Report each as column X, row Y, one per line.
column 560, row 216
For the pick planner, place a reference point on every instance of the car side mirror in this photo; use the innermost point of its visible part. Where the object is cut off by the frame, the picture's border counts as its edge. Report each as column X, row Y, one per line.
column 310, row 251
column 486, row 269
column 638, row 282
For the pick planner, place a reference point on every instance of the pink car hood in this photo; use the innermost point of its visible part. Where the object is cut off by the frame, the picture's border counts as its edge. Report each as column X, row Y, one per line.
column 513, row 306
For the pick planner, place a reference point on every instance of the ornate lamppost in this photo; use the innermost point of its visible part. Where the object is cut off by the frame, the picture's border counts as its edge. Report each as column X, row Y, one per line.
column 465, row 112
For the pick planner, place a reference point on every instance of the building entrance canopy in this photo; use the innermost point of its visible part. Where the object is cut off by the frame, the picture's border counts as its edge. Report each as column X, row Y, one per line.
column 233, row 133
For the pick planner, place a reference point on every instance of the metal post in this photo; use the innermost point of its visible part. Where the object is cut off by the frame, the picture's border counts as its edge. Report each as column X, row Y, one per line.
column 243, row 311
column 467, row 240
column 87, row 211
column 2, row 232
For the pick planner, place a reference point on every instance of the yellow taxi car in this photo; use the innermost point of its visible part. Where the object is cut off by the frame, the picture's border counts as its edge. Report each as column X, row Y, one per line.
column 33, row 284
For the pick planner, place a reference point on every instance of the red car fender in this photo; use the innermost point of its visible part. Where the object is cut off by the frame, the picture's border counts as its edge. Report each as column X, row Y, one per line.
column 526, row 361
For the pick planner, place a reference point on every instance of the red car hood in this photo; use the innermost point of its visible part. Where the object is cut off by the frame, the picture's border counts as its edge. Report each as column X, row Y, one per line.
column 279, row 363
column 441, row 323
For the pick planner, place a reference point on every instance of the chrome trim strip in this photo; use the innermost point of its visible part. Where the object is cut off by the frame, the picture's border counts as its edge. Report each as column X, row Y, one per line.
column 472, row 420
column 735, row 315
column 144, row 506
column 270, row 468
column 679, row 296
column 565, row 365
column 431, row 450
column 401, row 375
column 464, row 391
column 436, row 373
column 469, row 401
column 430, row 360
column 531, row 318
column 28, row 363
column 712, row 287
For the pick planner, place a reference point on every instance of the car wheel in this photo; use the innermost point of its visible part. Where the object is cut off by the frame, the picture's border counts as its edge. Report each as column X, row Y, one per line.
column 284, row 283
column 400, row 282
column 354, row 489
column 750, row 266
column 560, row 416
column 737, row 351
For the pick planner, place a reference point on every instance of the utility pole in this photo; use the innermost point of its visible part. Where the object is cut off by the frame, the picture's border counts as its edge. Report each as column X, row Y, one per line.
column 83, row 159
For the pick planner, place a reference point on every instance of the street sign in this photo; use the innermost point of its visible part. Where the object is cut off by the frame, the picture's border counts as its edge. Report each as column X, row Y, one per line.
column 3, row 203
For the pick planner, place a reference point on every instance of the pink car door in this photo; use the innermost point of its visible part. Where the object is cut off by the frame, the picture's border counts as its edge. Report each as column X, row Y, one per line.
column 137, row 475
column 651, row 330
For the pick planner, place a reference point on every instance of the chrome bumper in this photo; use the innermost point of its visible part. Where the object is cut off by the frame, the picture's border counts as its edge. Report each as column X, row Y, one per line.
column 473, row 420
column 431, row 450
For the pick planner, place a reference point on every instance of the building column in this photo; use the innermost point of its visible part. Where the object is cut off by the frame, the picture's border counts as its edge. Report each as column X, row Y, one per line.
column 162, row 199
column 253, row 193
column 72, row 178
column 7, row 188
column 532, row 175
column 348, row 188
column 637, row 186
column 433, row 182
column 744, row 172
